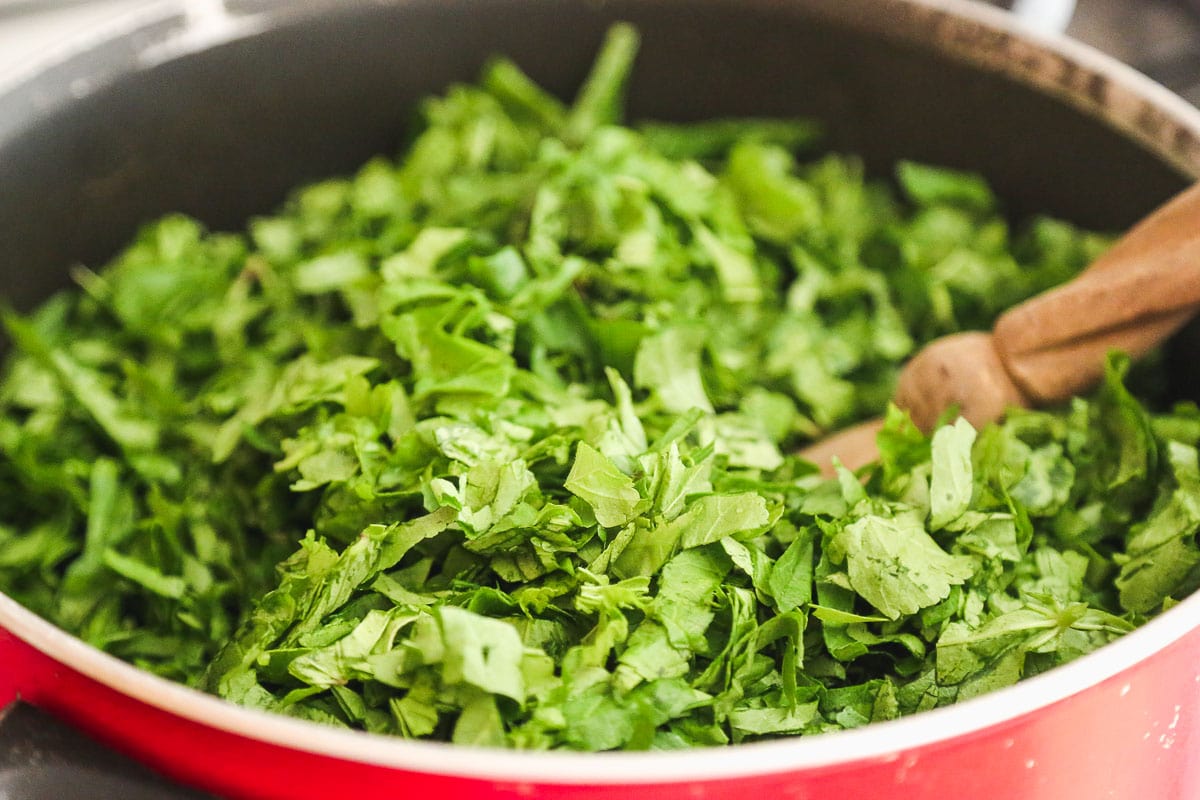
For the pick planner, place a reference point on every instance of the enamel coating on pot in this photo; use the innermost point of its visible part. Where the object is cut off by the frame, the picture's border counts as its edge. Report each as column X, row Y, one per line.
column 1132, row 736
column 1120, row 723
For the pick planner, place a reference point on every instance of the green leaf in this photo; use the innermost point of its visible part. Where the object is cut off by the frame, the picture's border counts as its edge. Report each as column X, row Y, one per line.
column 601, row 98
column 1129, row 432
column 597, row 481
column 648, row 656
column 712, row 518
column 515, row 89
column 896, row 566
column 421, row 258
column 713, row 138
column 762, row 721
column 951, row 482
column 791, row 577
column 479, row 724
column 735, row 269
column 120, row 422
column 483, row 652
column 776, row 202
column 329, row 272
column 1163, row 550
column 684, row 604
column 171, row 586
column 930, row 185
column 669, row 364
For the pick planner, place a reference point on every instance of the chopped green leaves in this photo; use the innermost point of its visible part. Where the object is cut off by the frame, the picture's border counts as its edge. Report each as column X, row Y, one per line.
column 495, row 444
column 895, row 565
column 951, row 482
column 598, row 482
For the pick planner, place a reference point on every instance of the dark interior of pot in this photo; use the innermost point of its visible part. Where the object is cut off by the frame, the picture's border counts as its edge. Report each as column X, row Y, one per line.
column 222, row 132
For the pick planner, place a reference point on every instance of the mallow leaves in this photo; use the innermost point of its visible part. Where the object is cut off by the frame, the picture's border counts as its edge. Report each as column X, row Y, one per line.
column 495, row 443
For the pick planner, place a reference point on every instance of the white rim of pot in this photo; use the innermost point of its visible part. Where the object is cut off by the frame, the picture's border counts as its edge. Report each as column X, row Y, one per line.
column 880, row 741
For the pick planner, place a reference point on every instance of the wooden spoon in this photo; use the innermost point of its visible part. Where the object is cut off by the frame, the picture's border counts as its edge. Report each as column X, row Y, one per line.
column 1052, row 346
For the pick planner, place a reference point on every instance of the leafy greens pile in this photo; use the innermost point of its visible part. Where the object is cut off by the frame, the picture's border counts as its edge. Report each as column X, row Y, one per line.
column 494, row 444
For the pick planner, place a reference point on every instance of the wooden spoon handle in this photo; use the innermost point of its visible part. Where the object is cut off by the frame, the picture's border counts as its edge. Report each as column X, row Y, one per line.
column 1053, row 346
column 853, row 447
column 1132, row 298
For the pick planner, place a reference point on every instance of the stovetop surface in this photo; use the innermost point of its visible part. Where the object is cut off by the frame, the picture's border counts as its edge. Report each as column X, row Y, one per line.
column 40, row 758
column 43, row 759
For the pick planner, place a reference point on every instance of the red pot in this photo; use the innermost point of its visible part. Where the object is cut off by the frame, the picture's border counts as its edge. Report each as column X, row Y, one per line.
column 216, row 109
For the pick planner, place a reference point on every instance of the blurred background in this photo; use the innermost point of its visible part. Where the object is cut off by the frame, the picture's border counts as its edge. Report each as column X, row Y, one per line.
column 1158, row 37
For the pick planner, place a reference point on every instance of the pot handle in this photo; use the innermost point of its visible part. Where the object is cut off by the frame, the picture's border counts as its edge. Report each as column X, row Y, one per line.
column 42, row 757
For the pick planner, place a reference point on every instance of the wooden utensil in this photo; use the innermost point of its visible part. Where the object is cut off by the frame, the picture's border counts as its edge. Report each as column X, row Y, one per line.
column 1052, row 346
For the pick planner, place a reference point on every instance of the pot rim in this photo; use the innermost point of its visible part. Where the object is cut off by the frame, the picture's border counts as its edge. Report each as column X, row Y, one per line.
column 182, row 29
column 879, row 741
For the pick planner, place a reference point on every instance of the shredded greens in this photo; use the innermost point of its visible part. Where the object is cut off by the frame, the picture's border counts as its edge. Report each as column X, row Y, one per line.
column 495, row 443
